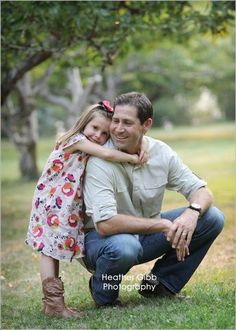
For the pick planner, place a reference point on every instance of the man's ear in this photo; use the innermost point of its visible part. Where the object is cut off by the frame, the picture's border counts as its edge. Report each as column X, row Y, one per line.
column 147, row 125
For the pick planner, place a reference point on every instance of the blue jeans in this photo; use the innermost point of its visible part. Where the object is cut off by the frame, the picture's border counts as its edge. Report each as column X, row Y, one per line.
column 116, row 254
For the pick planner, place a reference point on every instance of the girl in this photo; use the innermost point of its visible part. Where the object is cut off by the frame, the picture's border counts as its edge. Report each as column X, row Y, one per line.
column 56, row 221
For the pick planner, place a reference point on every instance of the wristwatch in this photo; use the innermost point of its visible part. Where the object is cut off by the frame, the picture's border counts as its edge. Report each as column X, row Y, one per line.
column 196, row 207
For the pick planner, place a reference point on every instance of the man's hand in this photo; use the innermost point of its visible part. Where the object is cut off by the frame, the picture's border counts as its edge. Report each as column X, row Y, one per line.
column 181, row 233
column 182, row 252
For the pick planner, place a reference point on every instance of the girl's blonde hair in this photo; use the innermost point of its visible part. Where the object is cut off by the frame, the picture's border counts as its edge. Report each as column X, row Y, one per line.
column 83, row 120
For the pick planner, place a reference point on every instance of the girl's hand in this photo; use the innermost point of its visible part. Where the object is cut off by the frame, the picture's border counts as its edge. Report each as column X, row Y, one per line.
column 143, row 156
column 134, row 159
column 144, row 152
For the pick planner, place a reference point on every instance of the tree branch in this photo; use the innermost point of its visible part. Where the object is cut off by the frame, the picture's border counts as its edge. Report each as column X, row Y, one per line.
column 55, row 99
column 42, row 81
column 17, row 74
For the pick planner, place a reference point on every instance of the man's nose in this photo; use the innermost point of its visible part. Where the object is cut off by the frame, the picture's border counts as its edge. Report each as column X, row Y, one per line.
column 120, row 127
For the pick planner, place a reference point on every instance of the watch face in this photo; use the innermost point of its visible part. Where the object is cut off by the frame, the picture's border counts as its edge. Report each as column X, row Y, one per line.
column 196, row 206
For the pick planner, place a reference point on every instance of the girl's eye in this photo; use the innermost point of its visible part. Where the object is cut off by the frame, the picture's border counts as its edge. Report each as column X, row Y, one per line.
column 105, row 133
column 95, row 128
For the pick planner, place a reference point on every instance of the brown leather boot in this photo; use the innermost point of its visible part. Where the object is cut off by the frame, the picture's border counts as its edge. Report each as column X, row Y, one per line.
column 53, row 301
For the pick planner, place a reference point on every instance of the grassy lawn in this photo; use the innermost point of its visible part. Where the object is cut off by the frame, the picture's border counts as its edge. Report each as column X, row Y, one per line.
column 209, row 151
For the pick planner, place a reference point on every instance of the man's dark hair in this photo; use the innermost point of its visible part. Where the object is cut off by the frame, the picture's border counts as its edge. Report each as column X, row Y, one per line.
column 137, row 100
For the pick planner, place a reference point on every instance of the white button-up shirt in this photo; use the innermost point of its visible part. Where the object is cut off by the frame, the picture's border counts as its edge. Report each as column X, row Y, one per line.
column 119, row 188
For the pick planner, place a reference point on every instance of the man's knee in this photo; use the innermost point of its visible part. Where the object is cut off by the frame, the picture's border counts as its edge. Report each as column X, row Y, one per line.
column 216, row 219
column 125, row 249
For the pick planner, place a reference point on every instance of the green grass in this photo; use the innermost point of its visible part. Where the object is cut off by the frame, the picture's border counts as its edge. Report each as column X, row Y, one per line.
column 210, row 153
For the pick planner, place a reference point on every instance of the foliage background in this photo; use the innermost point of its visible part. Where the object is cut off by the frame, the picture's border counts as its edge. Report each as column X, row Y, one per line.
column 60, row 56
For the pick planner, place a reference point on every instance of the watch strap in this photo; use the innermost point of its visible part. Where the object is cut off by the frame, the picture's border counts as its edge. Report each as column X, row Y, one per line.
column 195, row 209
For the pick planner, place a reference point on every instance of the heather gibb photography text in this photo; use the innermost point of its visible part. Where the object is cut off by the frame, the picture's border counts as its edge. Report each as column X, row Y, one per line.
column 126, row 286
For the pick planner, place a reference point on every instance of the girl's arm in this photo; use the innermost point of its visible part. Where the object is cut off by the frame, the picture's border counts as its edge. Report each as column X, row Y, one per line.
column 144, row 150
column 97, row 150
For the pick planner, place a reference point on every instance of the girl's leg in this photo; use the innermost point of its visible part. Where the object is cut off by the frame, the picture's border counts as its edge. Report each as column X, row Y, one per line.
column 49, row 267
column 53, row 289
column 56, row 268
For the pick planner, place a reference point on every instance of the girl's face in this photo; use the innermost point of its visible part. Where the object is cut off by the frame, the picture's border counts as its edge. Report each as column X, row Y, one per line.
column 98, row 129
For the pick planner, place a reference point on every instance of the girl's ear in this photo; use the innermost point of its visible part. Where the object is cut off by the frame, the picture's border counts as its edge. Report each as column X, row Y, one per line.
column 147, row 125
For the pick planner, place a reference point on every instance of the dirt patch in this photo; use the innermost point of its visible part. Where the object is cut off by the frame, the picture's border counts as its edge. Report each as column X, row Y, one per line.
column 222, row 253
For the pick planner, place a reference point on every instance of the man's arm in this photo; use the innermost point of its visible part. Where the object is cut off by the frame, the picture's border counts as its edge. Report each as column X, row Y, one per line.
column 203, row 197
column 122, row 223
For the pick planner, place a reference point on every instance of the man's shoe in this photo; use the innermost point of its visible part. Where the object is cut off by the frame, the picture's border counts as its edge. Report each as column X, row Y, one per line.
column 116, row 303
column 150, row 287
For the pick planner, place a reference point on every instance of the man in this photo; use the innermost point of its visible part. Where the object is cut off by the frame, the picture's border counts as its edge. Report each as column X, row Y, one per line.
column 125, row 225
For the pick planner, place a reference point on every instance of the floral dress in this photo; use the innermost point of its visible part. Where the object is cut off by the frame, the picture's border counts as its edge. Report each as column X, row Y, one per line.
column 56, row 221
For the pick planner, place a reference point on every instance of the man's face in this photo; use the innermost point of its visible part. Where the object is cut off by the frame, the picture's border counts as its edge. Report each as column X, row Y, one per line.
column 126, row 130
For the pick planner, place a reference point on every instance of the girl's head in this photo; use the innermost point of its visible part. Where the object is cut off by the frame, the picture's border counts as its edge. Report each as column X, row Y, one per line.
column 94, row 122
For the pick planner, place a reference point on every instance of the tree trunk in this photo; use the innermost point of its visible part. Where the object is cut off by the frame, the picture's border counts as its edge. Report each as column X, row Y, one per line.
column 20, row 125
column 25, row 140
column 27, row 161
column 16, row 75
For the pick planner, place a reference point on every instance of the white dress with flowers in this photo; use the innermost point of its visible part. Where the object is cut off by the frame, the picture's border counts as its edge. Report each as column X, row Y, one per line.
column 56, row 221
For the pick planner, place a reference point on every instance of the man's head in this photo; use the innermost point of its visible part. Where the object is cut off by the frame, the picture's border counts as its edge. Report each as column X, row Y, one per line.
column 139, row 101
column 131, row 120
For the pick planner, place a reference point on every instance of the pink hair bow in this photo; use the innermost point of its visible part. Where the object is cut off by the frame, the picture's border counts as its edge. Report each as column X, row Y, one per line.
column 106, row 104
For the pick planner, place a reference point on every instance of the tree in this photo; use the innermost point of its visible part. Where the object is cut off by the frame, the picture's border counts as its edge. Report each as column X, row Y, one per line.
column 88, row 34
column 77, row 100
column 20, row 125
column 95, row 31
column 172, row 72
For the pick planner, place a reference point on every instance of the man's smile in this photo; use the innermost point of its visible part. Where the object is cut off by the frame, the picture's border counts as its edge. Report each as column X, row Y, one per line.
column 120, row 138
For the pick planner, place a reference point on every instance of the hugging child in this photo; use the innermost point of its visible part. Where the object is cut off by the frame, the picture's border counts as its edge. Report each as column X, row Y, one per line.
column 56, row 221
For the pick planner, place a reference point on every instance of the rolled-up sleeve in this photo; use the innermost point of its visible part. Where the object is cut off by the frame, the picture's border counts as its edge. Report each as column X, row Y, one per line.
column 99, row 196
column 181, row 178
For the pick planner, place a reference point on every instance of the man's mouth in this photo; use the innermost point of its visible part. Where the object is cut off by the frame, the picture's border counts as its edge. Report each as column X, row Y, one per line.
column 120, row 138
